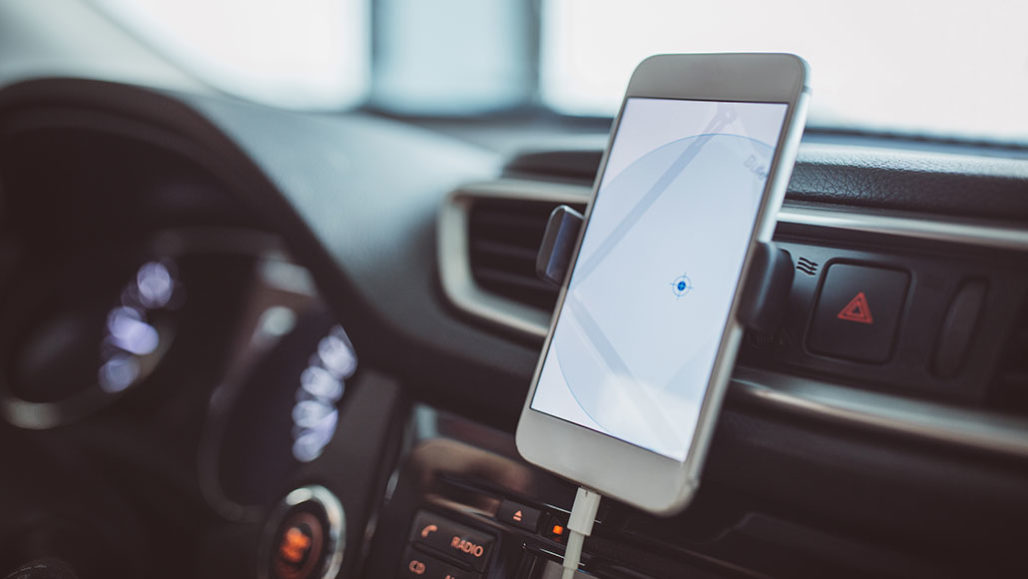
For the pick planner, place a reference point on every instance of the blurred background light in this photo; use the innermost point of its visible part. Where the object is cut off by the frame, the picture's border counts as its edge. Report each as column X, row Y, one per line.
column 932, row 69
column 129, row 332
column 154, row 284
column 921, row 66
column 319, row 383
column 321, row 387
column 336, row 355
column 118, row 373
column 310, row 54
column 452, row 57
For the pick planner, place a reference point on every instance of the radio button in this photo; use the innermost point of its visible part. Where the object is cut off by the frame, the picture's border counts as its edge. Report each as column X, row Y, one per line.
column 518, row 515
column 458, row 541
column 418, row 565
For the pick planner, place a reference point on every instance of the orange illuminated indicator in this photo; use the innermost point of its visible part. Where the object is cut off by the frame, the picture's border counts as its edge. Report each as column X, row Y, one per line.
column 466, row 546
column 517, row 516
column 295, row 544
column 558, row 530
column 417, row 567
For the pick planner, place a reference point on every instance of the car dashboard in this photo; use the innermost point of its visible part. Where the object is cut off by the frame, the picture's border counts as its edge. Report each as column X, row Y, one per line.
column 240, row 341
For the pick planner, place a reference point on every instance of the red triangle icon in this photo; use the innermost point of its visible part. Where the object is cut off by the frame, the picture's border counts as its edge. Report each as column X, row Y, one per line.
column 857, row 310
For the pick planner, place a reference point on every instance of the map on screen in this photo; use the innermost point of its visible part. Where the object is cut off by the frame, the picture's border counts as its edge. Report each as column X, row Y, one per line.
column 637, row 335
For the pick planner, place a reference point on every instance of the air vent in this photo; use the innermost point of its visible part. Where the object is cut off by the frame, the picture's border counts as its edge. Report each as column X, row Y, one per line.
column 1011, row 381
column 503, row 239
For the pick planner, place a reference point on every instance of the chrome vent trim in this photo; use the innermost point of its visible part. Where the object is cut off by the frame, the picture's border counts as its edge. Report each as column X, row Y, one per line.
column 972, row 429
column 454, row 256
column 961, row 232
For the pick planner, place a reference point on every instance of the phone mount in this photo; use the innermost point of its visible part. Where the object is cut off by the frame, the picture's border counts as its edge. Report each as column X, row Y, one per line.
column 764, row 296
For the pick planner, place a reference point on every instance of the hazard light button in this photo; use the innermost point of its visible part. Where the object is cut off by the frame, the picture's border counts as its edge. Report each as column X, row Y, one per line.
column 857, row 312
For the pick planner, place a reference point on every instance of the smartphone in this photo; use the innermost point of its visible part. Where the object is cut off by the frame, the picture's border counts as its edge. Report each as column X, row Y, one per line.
column 627, row 391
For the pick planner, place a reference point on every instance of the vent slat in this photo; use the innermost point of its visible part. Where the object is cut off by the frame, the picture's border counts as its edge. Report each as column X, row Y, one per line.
column 505, row 278
column 498, row 219
column 503, row 239
column 503, row 249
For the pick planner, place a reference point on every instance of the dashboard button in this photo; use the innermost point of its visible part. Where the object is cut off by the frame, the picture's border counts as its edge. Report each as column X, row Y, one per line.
column 459, row 541
column 299, row 546
column 957, row 329
column 418, row 565
column 303, row 538
column 857, row 312
column 518, row 515
column 555, row 528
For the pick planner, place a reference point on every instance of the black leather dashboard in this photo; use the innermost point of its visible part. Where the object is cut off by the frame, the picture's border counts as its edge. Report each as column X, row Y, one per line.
column 938, row 179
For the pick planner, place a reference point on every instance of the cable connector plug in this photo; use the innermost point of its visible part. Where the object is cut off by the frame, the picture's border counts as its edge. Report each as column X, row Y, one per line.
column 580, row 525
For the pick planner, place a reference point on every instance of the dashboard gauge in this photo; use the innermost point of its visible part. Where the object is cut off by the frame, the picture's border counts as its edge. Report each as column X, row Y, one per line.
column 284, row 413
column 83, row 335
column 82, row 332
column 137, row 330
column 83, row 329
column 277, row 404
column 322, row 384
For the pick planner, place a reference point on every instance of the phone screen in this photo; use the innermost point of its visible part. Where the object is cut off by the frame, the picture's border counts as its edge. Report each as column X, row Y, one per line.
column 637, row 335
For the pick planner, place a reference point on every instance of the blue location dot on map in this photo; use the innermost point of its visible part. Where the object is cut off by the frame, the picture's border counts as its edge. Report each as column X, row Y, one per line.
column 681, row 286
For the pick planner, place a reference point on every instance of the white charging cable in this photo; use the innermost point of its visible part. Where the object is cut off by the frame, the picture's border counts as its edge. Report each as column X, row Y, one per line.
column 580, row 526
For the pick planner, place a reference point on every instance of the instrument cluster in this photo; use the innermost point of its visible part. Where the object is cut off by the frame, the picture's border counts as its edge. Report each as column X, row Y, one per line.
column 129, row 333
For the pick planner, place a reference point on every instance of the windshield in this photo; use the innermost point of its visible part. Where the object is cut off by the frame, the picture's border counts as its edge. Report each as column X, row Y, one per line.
column 923, row 66
column 932, row 68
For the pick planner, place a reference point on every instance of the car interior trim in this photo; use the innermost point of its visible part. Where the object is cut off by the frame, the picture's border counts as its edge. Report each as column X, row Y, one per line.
column 926, row 420
column 461, row 290
column 974, row 429
column 455, row 271
column 964, row 233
